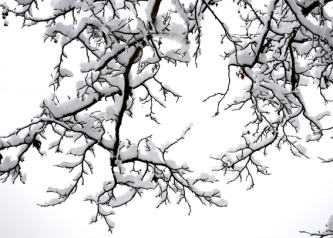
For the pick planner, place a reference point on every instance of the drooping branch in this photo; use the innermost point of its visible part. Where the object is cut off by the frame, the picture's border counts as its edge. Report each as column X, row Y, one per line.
column 105, row 95
column 269, row 60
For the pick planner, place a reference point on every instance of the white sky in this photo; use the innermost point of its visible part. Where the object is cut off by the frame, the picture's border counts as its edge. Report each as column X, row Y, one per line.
column 297, row 196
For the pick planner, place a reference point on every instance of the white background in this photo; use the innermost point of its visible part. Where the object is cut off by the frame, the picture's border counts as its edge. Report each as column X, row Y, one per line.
column 297, row 196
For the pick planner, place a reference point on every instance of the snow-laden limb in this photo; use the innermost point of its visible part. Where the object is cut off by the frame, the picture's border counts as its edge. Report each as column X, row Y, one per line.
column 119, row 70
column 143, row 166
column 328, row 232
column 329, row 160
column 166, row 174
column 21, row 139
column 284, row 46
column 240, row 164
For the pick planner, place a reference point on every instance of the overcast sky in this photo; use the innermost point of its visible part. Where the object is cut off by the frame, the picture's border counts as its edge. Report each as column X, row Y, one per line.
column 297, row 196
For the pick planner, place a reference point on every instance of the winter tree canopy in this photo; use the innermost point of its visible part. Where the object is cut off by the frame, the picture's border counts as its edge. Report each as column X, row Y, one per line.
column 283, row 50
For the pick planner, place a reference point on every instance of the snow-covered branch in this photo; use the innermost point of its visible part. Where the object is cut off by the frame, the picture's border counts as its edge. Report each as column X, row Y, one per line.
column 124, row 45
